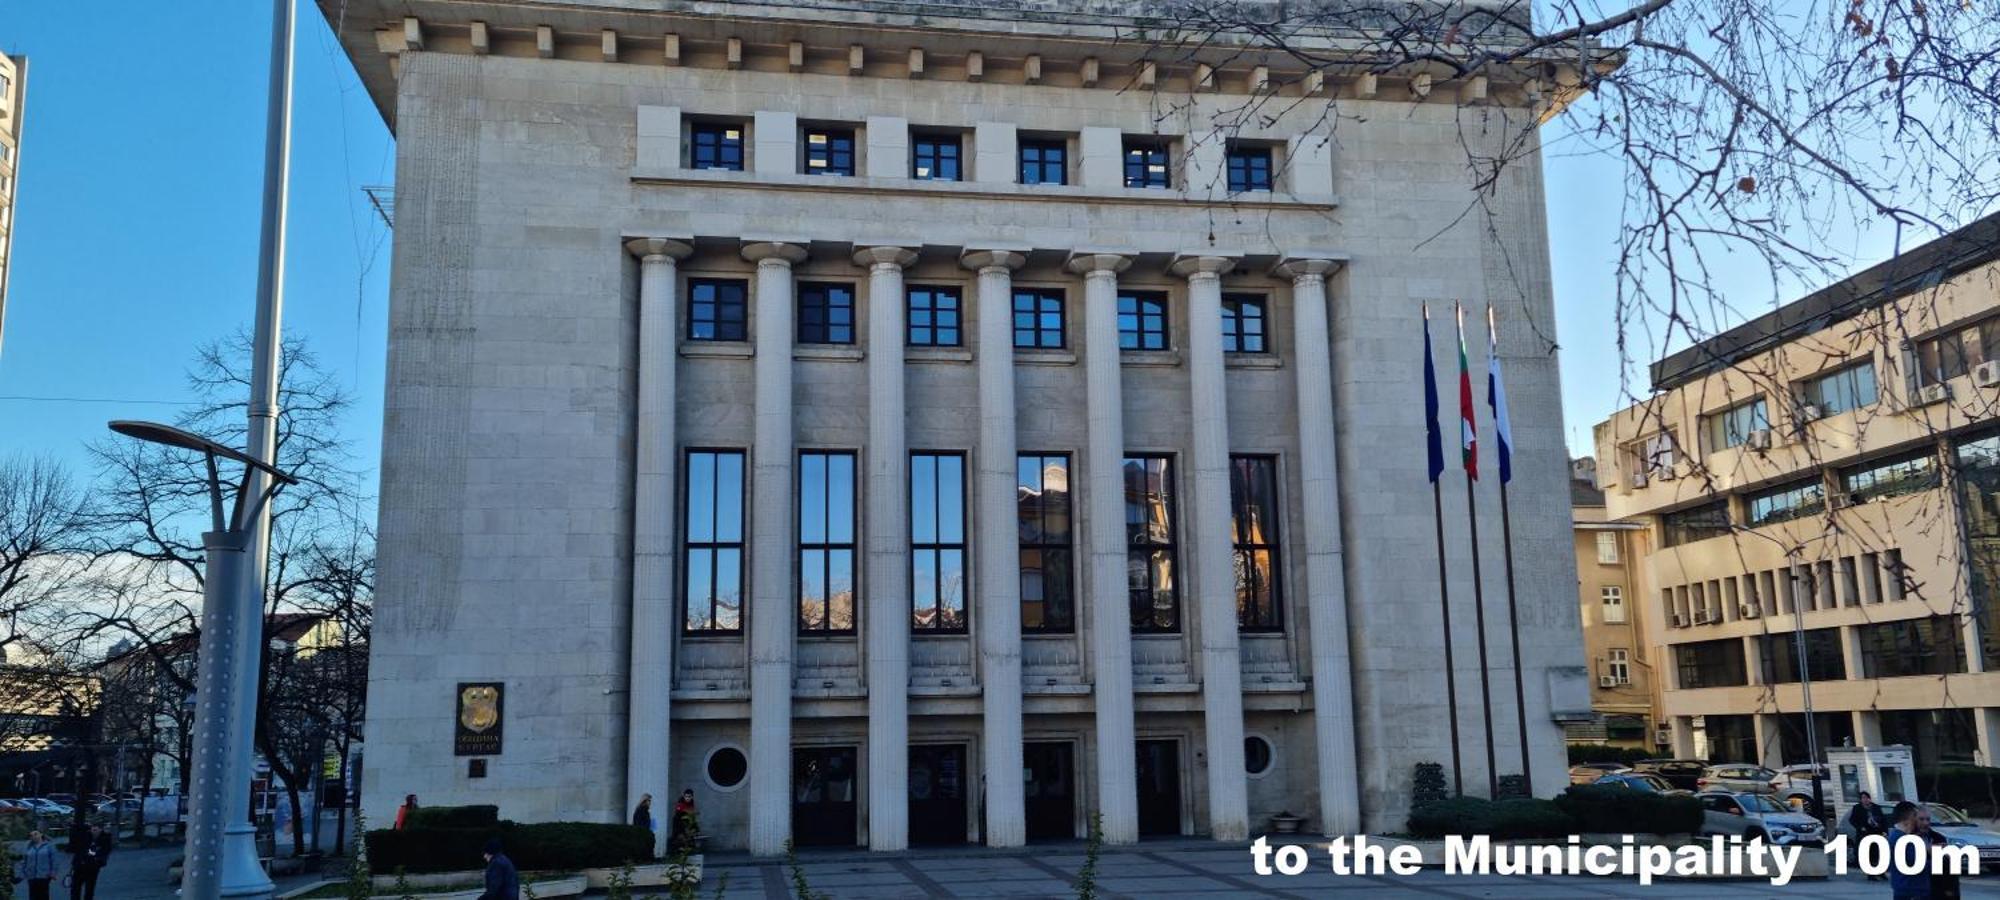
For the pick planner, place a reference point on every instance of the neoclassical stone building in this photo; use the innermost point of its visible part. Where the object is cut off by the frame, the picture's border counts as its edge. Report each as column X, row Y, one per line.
column 910, row 423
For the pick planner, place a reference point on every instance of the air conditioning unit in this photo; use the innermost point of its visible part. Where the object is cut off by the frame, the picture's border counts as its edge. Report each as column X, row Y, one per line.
column 1638, row 479
column 1933, row 393
column 1758, row 440
column 1842, row 500
column 1680, row 621
column 1665, row 472
column 1986, row 374
column 1811, row 413
column 1605, row 681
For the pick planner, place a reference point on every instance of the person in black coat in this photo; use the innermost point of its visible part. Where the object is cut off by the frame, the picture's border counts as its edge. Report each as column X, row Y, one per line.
column 1866, row 818
column 502, row 882
column 642, row 815
column 89, row 850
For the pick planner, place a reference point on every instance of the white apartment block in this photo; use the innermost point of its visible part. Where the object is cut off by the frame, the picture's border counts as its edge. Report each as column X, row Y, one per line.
column 1823, row 479
column 906, row 422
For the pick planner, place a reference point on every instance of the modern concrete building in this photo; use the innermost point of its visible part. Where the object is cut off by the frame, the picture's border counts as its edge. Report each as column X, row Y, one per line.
column 1623, row 679
column 13, row 107
column 905, row 422
column 1821, row 483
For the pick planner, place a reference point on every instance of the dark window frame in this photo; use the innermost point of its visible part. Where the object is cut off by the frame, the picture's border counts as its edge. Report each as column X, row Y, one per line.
column 1045, row 156
column 1892, row 476
column 1681, row 526
column 713, row 547
column 1913, row 648
column 1787, row 502
column 1142, row 554
column 1251, row 168
column 939, row 545
column 926, row 300
column 1035, row 540
column 710, row 139
column 836, row 153
column 1237, row 334
column 1037, row 331
column 1150, row 316
column 1826, row 659
column 944, row 153
column 1812, row 391
column 820, row 304
column 827, row 546
column 1714, row 663
column 722, row 327
column 1267, row 541
column 1721, row 432
column 1148, row 162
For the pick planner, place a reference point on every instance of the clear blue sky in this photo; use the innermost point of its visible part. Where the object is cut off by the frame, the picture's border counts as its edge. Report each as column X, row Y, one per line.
column 137, row 220
column 137, row 223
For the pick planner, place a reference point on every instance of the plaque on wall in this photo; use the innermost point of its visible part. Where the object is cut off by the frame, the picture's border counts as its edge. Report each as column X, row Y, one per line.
column 479, row 712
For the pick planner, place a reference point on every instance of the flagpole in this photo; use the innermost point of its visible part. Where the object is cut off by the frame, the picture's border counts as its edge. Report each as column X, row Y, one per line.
column 1444, row 589
column 1497, row 398
column 1469, row 443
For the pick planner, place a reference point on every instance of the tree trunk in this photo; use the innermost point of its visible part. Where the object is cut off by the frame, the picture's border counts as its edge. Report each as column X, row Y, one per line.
column 298, row 819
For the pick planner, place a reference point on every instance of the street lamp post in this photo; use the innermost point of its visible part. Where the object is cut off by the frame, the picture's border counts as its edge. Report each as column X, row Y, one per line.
column 221, row 855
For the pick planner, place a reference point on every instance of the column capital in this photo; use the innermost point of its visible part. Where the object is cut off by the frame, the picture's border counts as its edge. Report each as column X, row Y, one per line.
column 988, row 257
column 1310, row 264
column 1193, row 265
column 898, row 255
column 778, row 252
column 669, row 248
column 1090, row 262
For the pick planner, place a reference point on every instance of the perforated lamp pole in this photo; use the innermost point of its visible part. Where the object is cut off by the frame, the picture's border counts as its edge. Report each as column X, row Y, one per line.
column 221, row 854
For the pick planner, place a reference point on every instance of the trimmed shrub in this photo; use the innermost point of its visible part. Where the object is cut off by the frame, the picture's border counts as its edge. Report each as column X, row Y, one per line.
column 454, row 817
column 1512, row 787
column 1975, row 789
column 547, row 846
column 1606, row 809
column 1519, row 818
column 1427, row 785
column 1605, row 753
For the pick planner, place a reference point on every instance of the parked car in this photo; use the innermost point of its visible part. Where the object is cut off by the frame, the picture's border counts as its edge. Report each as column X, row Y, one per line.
column 47, row 807
column 1960, row 831
column 1639, row 781
column 1740, row 777
column 1794, row 785
column 1681, row 773
column 1757, row 815
column 125, row 809
column 1589, row 772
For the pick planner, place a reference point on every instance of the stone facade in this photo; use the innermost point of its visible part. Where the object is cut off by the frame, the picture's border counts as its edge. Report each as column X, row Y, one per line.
column 541, row 398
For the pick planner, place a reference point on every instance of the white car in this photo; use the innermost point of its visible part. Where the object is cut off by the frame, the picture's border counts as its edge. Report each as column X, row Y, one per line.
column 1960, row 831
column 47, row 807
column 1756, row 815
column 1794, row 785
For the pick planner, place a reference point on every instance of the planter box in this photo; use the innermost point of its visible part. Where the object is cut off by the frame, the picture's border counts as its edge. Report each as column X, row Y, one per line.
column 567, row 886
column 651, row 875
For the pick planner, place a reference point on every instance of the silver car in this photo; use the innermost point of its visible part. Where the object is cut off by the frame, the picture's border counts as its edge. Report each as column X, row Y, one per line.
column 1757, row 815
column 1960, row 831
column 1736, row 777
column 1589, row 772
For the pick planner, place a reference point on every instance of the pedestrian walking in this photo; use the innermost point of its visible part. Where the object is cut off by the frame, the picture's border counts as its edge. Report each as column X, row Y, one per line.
column 502, row 882
column 642, row 815
column 1867, row 819
column 1911, row 823
column 89, row 850
column 685, row 825
column 38, row 865
column 406, row 812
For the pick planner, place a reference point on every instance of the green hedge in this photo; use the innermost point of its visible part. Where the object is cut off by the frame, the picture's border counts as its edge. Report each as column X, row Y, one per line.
column 558, row 846
column 454, row 817
column 1975, row 789
column 1517, row 818
column 1620, row 810
column 1605, row 753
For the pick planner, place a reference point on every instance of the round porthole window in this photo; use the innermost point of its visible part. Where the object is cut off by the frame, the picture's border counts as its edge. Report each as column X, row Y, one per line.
column 1256, row 754
column 726, row 768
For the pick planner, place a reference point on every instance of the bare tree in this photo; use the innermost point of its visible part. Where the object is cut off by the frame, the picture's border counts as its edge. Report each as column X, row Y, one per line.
column 43, row 544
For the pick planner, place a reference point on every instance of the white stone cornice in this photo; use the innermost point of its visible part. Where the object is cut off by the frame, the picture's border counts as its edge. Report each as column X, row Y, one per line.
column 1195, row 265
column 1095, row 262
column 871, row 255
column 647, row 249
column 785, row 253
column 982, row 258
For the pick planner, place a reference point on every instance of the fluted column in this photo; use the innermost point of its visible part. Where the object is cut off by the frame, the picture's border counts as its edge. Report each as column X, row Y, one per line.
column 1111, row 625
column 647, row 745
column 998, row 545
column 1326, row 570
column 772, row 615
column 1211, row 548
column 886, row 621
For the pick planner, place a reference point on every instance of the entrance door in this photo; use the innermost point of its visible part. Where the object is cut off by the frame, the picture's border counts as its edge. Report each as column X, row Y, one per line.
column 1159, row 775
column 937, row 794
column 823, row 803
column 1051, row 789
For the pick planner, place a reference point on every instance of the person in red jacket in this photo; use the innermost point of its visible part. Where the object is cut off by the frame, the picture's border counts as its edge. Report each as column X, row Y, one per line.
column 405, row 812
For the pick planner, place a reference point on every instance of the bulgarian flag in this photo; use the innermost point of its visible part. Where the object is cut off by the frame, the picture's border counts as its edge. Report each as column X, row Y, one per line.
column 1496, row 397
column 1468, row 431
